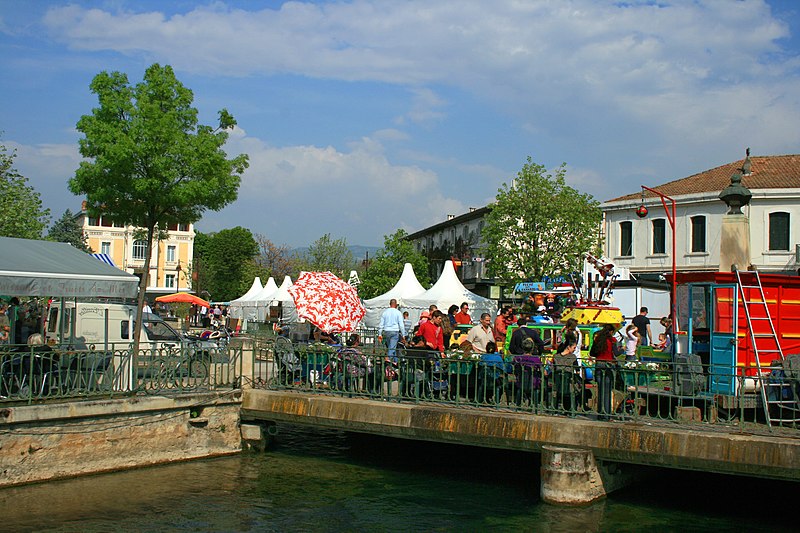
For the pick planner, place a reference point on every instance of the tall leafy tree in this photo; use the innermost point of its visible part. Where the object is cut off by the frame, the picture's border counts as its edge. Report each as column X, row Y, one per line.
column 273, row 260
column 387, row 266
column 540, row 226
column 68, row 229
column 229, row 260
column 149, row 162
column 200, row 271
column 330, row 254
column 21, row 211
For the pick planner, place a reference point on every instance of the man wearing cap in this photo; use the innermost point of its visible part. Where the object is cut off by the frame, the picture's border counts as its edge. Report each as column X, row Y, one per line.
column 391, row 329
column 423, row 317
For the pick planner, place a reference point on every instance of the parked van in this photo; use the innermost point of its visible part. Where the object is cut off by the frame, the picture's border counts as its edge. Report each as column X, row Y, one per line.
column 107, row 326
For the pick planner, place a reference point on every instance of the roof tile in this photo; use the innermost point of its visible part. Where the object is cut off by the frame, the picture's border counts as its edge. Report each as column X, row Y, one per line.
column 767, row 172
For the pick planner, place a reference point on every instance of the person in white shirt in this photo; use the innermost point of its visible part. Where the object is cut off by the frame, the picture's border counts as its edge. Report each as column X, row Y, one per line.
column 631, row 342
column 482, row 334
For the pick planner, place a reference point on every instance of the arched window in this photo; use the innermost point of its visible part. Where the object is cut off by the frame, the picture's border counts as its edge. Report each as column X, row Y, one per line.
column 139, row 249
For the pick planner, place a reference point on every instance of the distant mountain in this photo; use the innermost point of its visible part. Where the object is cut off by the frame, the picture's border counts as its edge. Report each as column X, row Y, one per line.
column 359, row 252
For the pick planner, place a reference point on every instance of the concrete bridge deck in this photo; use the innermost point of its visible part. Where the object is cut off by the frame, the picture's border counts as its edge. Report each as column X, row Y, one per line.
column 711, row 449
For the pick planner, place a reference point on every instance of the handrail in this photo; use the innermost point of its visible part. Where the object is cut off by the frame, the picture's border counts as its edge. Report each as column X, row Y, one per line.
column 654, row 391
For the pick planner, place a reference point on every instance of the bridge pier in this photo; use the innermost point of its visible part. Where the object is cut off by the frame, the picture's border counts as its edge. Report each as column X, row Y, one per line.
column 572, row 476
column 257, row 436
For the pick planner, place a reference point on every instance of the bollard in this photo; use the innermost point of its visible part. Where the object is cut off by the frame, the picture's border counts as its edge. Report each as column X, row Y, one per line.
column 571, row 476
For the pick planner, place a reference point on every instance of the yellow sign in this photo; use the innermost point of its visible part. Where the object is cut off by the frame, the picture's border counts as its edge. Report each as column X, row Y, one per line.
column 594, row 315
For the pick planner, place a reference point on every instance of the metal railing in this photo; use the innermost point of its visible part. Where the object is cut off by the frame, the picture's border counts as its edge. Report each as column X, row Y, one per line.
column 33, row 374
column 684, row 392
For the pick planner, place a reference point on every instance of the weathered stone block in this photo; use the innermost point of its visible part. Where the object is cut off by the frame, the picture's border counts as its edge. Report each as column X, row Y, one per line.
column 688, row 414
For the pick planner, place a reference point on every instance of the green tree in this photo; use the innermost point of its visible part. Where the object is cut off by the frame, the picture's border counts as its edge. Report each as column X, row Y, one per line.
column 149, row 162
column 21, row 211
column 229, row 263
column 387, row 266
column 68, row 229
column 200, row 272
column 540, row 226
column 329, row 254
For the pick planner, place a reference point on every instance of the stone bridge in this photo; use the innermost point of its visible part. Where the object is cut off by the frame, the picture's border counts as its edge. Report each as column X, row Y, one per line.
column 582, row 459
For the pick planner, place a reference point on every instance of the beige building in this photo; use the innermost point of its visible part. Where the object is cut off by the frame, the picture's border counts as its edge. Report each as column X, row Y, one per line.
column 170, row 262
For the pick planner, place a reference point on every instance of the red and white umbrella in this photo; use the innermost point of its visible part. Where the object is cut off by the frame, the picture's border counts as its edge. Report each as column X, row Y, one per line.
column 326, row 301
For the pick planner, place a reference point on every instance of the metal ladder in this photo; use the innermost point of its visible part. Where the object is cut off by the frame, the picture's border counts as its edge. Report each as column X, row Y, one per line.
column 772, row 391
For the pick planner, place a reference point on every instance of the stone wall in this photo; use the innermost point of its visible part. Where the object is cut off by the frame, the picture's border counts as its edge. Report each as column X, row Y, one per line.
column 45, row 442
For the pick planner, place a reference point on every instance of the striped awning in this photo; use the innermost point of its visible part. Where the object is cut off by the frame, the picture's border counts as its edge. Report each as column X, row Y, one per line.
column 105, row 259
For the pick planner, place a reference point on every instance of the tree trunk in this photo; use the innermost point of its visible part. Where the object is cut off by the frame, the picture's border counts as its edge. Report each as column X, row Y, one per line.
column 137, row 330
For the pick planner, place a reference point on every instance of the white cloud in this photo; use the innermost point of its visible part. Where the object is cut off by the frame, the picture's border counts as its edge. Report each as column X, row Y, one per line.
column 639, row 60
column 620, row 90
column 48, row 168
column 313, row 190
column 321, row 187
column 424, row 107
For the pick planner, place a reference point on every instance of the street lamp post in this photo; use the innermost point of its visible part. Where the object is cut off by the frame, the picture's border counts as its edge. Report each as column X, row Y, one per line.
column 641, row 212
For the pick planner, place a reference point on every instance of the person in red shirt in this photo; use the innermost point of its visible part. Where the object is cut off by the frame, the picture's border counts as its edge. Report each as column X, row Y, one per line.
column 604, row 368
column 501, row 323
column 462, row 317
column 431, row 331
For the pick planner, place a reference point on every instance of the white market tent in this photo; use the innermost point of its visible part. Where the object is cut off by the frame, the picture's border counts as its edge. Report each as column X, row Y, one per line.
column 235, row 307
column 256, row 307
column 284, row 301
column 44, row 268
column 406, row 287
column 448, row 290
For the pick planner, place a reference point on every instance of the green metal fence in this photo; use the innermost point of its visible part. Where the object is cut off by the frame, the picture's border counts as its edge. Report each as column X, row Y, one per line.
column 632, row 391
column 34, row 374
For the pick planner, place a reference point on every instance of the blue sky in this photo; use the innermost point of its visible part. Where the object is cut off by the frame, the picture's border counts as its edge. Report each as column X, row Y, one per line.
column 362, row 117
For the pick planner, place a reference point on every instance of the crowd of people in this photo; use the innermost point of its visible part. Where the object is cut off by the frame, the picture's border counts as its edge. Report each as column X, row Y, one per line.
column 437, row 329
column 526, row 357
column 18, row 320
column 208, row 317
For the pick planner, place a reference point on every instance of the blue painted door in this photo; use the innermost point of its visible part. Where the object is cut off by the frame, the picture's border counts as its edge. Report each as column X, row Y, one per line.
column 722, row 339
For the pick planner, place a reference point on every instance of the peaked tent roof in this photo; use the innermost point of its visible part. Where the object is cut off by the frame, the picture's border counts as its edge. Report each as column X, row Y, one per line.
column 282, row 296
column 44, row 268
column 406, row 287
column 254, row 289
column 262, row 297
column 448, row 290
column 256, row 307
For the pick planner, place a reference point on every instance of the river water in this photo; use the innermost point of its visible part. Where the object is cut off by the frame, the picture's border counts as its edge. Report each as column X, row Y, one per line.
column 319, row 480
